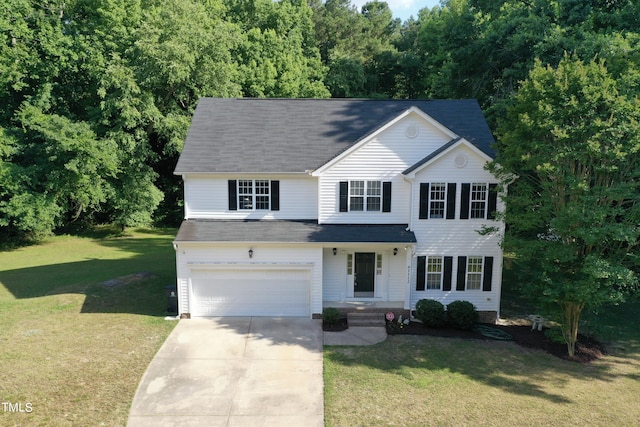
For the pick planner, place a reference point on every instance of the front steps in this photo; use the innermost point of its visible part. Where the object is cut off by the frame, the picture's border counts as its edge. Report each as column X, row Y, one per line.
column 365, row 318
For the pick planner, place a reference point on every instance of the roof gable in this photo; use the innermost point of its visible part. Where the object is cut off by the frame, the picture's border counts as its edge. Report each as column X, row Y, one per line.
column 249, row 135
column 441, row 152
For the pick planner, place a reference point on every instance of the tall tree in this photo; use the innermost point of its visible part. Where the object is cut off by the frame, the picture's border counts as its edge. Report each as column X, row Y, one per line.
column 571, row 140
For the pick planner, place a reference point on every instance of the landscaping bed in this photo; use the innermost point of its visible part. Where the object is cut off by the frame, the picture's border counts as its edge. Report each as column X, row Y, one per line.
column 587, row 348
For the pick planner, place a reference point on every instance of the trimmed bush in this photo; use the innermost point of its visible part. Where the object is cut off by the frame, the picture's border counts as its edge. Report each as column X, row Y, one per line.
column 462, row 314
column 430, row 312
column 331, row 315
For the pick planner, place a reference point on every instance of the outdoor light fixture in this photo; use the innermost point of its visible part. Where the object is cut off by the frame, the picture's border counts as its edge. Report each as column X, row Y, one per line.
column 250, row 253
column 335, row 251
column 395, row 251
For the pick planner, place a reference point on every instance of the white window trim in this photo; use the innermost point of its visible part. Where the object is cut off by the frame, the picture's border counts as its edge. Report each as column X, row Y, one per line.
column 440, row 273
column 365, row 196
column 480, row 273
column 443, row 201
column 485, row 201
column 254, row 196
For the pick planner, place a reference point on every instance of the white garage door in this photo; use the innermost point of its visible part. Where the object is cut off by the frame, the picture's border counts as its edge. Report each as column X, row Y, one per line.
column 250, row 292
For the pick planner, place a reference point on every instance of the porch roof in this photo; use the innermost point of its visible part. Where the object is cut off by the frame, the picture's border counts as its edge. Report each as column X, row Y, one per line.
column 279, row 231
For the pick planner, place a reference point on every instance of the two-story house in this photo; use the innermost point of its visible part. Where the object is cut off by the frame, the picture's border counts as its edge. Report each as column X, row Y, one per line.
column 293, row 205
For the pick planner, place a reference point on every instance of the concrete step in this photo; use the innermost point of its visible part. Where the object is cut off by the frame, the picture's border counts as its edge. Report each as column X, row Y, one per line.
column 365, row 319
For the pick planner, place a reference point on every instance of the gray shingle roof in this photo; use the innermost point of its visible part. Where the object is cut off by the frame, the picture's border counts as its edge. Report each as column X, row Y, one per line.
column 290, row 232
column 296, row 135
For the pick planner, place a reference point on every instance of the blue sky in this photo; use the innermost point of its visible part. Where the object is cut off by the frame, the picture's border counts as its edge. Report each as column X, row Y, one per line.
column 403, row 9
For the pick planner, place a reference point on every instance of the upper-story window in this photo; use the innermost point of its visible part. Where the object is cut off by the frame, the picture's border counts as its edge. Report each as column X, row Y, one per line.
column 361, row 196
column 437, row 200
column 478, row 200
column 254, row 194
column 365, row 195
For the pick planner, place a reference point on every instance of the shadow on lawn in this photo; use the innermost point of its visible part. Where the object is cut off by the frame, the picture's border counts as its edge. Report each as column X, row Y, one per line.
column 503, row 365
column 147, row 296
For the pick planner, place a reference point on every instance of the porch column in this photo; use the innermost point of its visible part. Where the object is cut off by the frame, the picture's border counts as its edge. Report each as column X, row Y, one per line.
column 407, row 288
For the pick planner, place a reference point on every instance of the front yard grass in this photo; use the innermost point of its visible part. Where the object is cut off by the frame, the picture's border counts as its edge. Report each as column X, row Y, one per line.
column 425, row 381
column 72, row 351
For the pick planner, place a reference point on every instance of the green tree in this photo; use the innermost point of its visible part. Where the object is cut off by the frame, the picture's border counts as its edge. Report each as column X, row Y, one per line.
column 278, row 56
column 571, row 140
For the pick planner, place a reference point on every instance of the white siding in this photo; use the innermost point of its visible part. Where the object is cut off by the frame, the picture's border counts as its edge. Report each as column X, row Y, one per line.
column 442, row 237
column 383, row 158
column 334, row 276
column 207, row 197
column 482, row 300
column 198, row 256
column 389, row 285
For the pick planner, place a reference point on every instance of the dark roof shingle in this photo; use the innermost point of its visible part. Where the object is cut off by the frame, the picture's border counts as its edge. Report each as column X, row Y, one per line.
column 291, row 232
column 250, row 135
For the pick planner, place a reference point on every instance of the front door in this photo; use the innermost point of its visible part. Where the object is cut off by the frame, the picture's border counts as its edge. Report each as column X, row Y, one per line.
column 364, row 274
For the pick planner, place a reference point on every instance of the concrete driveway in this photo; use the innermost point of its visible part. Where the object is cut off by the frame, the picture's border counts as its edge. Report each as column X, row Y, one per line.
column 247, row 371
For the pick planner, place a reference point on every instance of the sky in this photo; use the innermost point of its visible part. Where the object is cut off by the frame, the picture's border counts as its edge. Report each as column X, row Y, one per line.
column 403, row 9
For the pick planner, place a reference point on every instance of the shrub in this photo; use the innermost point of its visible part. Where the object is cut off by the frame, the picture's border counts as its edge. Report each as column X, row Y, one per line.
column 462, row 314
column 430, row 312
column 331, row 315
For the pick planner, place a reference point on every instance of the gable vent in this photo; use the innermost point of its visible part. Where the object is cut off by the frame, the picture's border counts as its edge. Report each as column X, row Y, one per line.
column 412, row 131
column 460, row 161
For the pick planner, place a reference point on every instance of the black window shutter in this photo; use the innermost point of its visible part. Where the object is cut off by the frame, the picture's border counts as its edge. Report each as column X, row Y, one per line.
column 275, row 195
column 386, row 197
column 448, row 267
column 464, row 201
column 493, row 201
column 462, row 273
column 451, row 201
column 344, row 196
column 488, row 273
column 233, row 199
column 421, row 273
column 424, row 201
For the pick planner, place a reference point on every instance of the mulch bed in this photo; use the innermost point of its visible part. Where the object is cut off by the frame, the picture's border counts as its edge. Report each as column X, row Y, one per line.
column 587, row 349
column 340, row 325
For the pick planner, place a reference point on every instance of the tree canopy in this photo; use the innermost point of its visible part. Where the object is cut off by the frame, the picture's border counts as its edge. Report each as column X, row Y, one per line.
column 569, row 147
column 97, row 95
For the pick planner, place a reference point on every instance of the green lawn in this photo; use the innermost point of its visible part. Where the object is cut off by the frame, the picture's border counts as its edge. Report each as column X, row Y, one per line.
column 75, row 352
column 424, row 381
column 71, row 348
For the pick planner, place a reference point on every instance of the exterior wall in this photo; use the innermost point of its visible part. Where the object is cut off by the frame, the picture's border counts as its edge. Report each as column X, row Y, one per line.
column 207, row 197
column 456, row 237
column 384, row 158
column 390, row 284
column 267, row 255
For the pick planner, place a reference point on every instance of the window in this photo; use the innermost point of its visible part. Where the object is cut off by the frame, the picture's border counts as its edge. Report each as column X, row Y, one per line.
column 356, row 196
column 360, row 196
column 478, row 200
column 474, row 273
column 437, row 200
column 434, row 273
column 365, row 195
column 374, row 192
column 249, row 195
column 379, row 264
column 349, row 264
